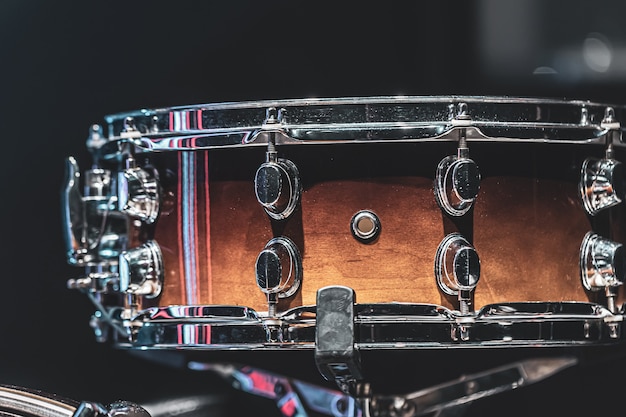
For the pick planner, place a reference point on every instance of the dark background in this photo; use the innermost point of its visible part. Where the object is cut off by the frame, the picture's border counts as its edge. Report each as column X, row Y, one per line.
column 64, row 66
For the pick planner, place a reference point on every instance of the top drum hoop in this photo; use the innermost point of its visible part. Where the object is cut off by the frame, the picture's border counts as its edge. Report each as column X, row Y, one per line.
column 367, row 119
column 169, row 170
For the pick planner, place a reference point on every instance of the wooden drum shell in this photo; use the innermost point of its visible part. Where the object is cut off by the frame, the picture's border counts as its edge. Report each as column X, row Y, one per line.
column 527, row 223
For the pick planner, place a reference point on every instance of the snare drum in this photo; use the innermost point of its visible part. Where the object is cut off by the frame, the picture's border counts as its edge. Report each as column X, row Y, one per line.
column 438, row 222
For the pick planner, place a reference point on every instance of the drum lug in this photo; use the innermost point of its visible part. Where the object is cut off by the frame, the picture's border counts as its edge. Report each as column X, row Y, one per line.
column 601, row 184
column 138, row 190
column 457, row 179
column 141, row 270
column 277, row 187
column 602, row 266
column 278, row 271
column 457, row 270
column 138, row 193
column 277, row 181
column 336, row 355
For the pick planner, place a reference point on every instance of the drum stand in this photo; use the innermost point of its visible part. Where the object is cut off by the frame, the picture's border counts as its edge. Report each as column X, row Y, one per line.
column 296, row 398
column 337, row 359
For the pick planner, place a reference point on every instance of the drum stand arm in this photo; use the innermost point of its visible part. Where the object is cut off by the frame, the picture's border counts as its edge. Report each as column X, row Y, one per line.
column 468, row 388
column 294, row 397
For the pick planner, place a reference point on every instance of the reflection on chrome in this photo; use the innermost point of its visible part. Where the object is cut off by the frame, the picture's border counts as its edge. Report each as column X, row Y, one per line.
column 377, row 327
column 361, row 119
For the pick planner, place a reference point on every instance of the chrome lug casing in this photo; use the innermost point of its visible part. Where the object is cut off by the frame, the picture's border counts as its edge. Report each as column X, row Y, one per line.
column 601, row 262
column 602, row 266
column 457, row 269
column 601, row 185
column 278, row 270
column 141, row 270
column 456, row 185
column 277, row 187
column 138, row 194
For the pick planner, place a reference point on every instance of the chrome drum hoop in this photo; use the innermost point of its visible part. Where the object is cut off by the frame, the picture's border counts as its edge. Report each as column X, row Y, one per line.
column 18, row 401
column 22, row 402
column 360, row 119
column 381, row 326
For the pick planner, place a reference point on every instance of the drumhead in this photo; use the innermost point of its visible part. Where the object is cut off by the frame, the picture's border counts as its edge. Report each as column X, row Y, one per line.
column 364, row 119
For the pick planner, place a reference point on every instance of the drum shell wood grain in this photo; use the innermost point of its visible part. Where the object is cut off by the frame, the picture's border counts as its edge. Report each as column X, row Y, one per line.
column 526, row 225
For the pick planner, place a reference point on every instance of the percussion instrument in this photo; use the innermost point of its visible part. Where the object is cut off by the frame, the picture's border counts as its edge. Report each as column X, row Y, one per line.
column 19, row 401
column 349, row 225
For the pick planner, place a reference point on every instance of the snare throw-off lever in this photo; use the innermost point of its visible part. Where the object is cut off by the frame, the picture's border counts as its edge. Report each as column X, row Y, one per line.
column 457, row 179
column 277, row 181
column 336, row 355
column 98, row 228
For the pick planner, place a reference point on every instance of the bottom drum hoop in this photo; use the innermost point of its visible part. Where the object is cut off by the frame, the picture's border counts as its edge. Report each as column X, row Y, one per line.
column 381, row 327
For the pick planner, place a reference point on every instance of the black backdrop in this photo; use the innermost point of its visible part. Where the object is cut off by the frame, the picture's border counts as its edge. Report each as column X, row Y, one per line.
column 64, row 66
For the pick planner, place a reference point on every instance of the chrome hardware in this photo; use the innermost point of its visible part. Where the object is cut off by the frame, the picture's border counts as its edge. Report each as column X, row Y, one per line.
column 384, row 326
column 601, row 184
column 336, row 356
column 322, row 121
column 97, row 280
column 459, row 115
column 279, row 270
column 457, row 269
column 96, row 138
column 95, row 233
column 457, row 179
column 602, row 266
column 446, row 398
column 457, row 184
column 277, row 187
column 15, row 401
column 141, row 270
column 138, row 190
column 442, row 399
column 273, row 116
column 612, row 127
column 277, row 181
column 139, row 194
column 129, row 129
column 602, row 180
column 584, row 116
column 141, row 275
column 609, row 121
column 365, row 226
